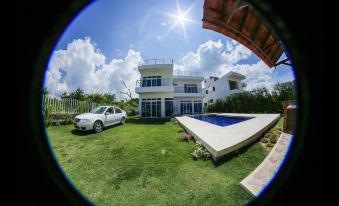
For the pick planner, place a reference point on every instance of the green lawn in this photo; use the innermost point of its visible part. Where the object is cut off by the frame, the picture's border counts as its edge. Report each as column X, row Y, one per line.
column 146, row 163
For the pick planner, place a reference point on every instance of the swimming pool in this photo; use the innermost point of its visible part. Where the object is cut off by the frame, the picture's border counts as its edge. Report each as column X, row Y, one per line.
column 221, row 120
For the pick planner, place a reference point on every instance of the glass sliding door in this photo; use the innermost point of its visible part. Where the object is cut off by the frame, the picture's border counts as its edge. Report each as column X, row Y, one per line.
column 151, row 81
column 158, row 113
column 168, row 107
column 147, row 109
column 158, row 81
column 154, row 108
column 197, row 107
column 186, row 107
column 190, row 88
column 151, row 107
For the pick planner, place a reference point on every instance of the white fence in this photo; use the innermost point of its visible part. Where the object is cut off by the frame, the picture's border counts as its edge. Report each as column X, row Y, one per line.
column 67, row 106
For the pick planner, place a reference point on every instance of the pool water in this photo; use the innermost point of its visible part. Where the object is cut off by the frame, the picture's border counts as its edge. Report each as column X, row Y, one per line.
column 221, row 120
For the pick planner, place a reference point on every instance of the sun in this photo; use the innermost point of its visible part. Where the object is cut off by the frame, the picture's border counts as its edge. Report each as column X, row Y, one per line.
column 181, row 18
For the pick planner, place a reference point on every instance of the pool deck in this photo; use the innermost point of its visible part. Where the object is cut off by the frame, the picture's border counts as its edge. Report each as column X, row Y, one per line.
column 220, row 140
column 255, row 182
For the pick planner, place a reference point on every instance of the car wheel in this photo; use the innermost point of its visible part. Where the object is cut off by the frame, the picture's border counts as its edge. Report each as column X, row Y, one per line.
column 123, row 120
column 97, row 126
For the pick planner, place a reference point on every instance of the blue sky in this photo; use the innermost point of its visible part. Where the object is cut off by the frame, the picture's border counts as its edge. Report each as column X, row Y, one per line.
column 111, row 37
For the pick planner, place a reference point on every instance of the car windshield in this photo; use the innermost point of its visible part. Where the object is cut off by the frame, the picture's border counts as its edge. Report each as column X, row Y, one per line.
column 98, row 110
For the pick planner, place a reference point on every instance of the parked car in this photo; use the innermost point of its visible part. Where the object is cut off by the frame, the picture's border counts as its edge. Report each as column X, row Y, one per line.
column 99, row 118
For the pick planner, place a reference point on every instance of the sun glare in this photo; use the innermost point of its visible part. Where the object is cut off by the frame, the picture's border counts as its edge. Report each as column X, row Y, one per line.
column 181, row 18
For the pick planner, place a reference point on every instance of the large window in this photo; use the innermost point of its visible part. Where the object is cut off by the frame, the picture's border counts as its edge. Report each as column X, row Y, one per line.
column 151, row 107
column 191, row 88
column 151, row 81
column 233, row 84
column 186, row 107
column 197, row 107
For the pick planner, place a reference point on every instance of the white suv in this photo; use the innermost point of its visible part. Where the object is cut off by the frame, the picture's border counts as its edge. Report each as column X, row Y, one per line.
column 99, row 118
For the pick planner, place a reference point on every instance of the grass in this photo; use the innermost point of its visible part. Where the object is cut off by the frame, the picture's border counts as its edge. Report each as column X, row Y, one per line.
column 146, row 163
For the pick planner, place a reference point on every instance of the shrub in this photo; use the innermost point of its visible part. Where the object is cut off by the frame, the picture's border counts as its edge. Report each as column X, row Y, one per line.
column 256, row 101
column 131, row 112
column 269, row 145
column 200, row 152
column 264, row 140
column 267, row 135
column 273, row 139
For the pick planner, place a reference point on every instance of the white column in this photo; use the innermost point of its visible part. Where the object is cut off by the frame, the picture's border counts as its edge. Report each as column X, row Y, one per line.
column 139, row 107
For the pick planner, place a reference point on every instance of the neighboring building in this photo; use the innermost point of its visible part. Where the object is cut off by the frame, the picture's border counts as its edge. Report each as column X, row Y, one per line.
column 163, row 93
column 219, row 88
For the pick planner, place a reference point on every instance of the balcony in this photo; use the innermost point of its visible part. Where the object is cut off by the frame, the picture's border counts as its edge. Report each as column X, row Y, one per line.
column 188, row 92
column 188, row 75
column 154, row 85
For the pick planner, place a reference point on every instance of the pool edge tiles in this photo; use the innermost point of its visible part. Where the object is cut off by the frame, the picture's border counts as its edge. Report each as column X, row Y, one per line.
column 221, row 140
column 220, row 120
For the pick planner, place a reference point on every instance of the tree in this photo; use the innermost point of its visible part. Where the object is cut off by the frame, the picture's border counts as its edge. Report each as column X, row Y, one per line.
column 129, row 91
column 106, row 98
column 79, row 94
column 96, row 97
column 110, row 98
column 64, row 95
column 284, row 91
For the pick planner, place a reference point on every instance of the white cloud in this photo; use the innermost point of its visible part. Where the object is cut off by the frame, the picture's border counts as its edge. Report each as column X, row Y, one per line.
column 163, row 24
column 213, row 54
column 215, row 58
column 85, row 67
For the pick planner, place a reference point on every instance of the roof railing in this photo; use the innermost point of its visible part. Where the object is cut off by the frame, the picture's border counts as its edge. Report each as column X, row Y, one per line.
column 156, row 61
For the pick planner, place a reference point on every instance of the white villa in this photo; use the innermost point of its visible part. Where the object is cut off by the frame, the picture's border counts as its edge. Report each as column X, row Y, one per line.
column 219, row 88
column 163, row 93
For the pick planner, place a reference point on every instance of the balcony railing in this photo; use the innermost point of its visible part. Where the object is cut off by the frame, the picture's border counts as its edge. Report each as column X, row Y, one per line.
column 187, row 90
column 156, row 61
column 188, row 73
column 156, row 82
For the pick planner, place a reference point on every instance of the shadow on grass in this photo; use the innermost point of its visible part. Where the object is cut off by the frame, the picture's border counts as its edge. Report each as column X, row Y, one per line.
column 91, row 132
column 232, row 155
column 147, row 121
column 82, row 133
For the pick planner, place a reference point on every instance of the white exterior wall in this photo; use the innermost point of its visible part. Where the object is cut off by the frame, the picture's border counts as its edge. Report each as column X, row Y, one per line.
column 222, row 88
column 166, row 72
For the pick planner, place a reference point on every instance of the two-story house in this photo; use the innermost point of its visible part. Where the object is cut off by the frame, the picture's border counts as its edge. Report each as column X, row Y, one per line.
column 164, row 93
column 219, row 88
